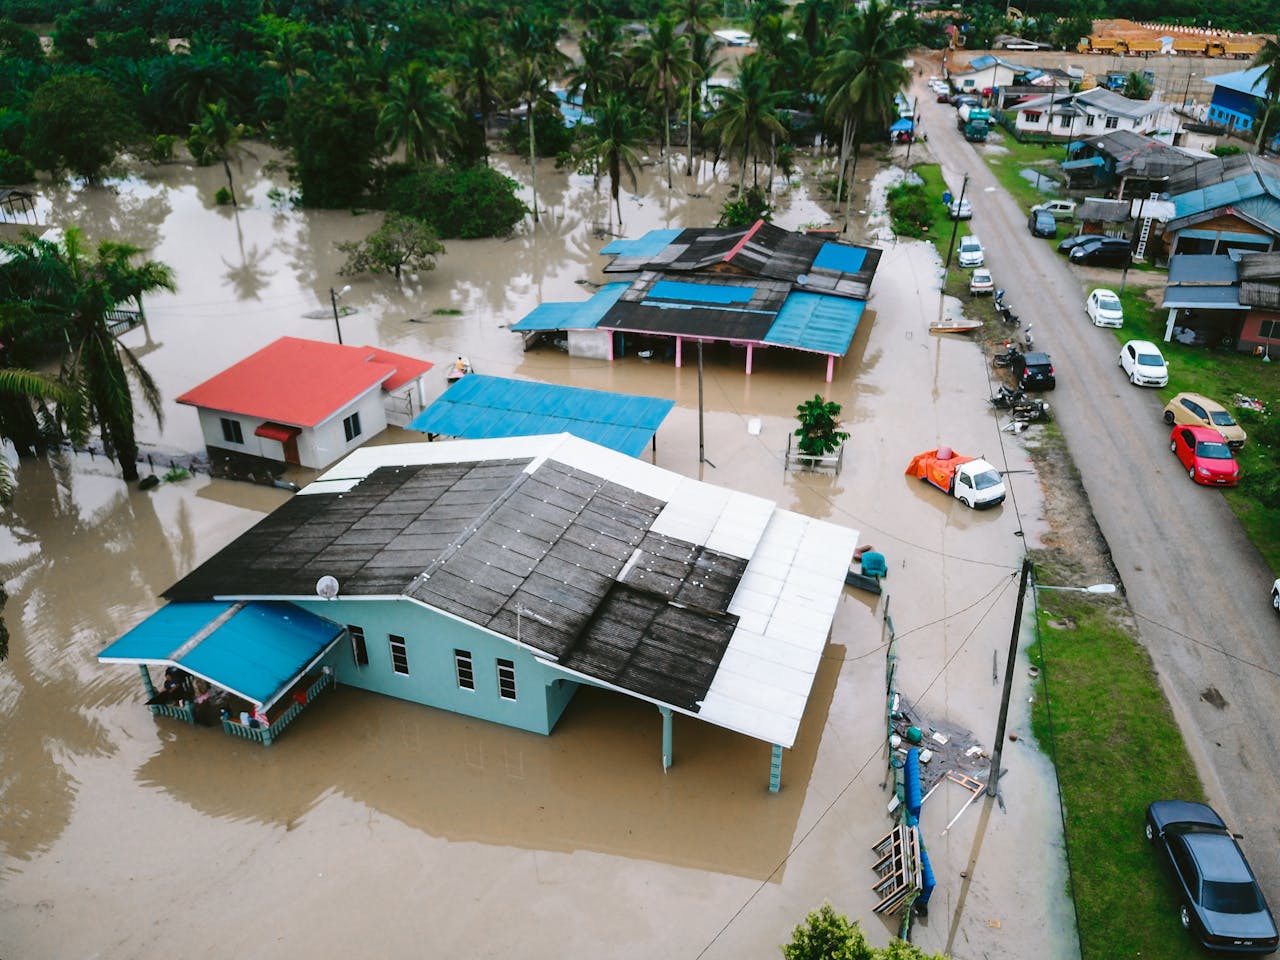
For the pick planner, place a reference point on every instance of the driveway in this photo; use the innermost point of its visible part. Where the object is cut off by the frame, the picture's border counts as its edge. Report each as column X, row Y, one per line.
column 1197, row 586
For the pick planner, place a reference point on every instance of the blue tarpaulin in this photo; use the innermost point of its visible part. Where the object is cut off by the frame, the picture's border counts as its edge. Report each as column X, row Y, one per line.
column 479, row 407
column 904, row 125
column 255, row 650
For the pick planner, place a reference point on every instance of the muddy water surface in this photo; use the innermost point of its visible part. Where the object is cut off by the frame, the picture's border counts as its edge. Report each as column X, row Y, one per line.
column 378, row 825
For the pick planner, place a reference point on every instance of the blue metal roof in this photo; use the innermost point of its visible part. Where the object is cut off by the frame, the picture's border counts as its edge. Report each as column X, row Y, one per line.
column 812, row 321
column 1201, row 268
column 1083, row 164
column 650, row 245
column 841, row 257
column 1243, row 187
column 573, row 316
column 718, row 293
column 1242, row 81
column 479, row 407
column 255, row 650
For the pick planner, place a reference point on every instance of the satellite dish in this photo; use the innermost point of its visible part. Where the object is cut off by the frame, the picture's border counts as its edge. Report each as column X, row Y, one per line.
column 327, row 587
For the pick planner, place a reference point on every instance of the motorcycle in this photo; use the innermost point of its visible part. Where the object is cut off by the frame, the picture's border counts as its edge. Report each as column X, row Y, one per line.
column 1005, row 311
column 1027, row 340
column 1007, row 397
column 1010, row 354
column 1030, row 408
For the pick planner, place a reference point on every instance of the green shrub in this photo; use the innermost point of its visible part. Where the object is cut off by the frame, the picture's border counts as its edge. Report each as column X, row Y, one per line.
column 162, row 148
column 746, row 209
column 15, row 169
column 223, row 197
column 464, row 202
column 553, row 137
column 1227, row 150
column 909, row 209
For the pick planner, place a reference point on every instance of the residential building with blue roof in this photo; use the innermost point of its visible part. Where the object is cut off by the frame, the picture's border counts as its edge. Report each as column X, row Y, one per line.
column 751, row 287
column 1223, row 204
column 1239, row 99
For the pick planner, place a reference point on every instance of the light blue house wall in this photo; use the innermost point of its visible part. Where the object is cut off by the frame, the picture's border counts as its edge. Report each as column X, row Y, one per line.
column 431, row 638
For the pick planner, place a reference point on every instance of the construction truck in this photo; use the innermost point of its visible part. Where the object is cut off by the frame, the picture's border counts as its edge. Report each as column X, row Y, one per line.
column 1238, row 49
column 973, row 122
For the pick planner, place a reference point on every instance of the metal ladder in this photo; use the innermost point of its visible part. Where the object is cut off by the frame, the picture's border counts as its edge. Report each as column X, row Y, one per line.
column 1140, row 252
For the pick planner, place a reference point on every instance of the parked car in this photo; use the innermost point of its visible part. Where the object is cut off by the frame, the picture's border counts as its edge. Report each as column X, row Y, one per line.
column 1069, row 244
column 960, row 210
column 943, row 96
column 981, row 282
column 1205, row 454
column 1105, row 252
column 1275, row 595
column 1222, row 905
column 1104, row 309
column 960, row 99
column 1058, row 209
column 1042, row 224
column 971, row 254
column 1196, row 408
column 1034, row 371
column 1144, row 364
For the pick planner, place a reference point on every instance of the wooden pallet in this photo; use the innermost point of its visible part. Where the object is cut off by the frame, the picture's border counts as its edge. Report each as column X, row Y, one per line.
column 898, row 869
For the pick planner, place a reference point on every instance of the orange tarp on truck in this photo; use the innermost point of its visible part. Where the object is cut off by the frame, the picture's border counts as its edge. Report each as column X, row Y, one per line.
column 938, row 470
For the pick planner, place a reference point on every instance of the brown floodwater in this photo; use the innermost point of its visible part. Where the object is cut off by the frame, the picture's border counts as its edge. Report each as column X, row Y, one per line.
column 378, row 826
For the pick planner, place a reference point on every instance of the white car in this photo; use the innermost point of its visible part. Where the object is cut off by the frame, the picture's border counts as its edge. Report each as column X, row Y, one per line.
column 971, row 252
column 1275, row 595
column 1144, row 364
column 981, row 282
column 959, row 210
column 1104, row 309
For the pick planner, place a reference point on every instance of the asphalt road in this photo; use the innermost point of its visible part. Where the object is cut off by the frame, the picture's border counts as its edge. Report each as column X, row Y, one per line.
column 1198, row 588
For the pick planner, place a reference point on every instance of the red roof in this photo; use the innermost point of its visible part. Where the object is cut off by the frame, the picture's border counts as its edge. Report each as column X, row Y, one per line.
column 303, row 382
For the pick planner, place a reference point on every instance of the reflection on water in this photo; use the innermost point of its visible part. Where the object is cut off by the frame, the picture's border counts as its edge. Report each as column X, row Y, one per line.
column 106, row 811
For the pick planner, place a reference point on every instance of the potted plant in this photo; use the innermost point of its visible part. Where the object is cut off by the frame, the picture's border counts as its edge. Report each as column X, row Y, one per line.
column 819, row 431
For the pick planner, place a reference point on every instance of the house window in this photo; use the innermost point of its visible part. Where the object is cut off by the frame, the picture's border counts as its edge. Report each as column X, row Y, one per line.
column 506, row 680
column 399, row 655
column 231, row 431
column 1089, row 118
column 351, row 427
column 359, row 652
column 1269, row 330
column 1113, row 122
column 1032, row 116
column 1064, row 121
column 465, row 669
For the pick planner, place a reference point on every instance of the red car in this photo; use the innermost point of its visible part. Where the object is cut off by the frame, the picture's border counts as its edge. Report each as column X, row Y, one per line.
column 1205, row 454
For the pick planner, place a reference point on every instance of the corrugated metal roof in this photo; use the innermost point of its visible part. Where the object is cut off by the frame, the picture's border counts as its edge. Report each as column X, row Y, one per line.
column 255, row 650
column 1201, row 269
column 1251, row 81
column 1192, row 298
column 479, row 407
column 1105, row 211
column 572, row 316
column 710, row 601
column 810, row 321
column 1263, row 295
column 1259, row 266
column 653, row 242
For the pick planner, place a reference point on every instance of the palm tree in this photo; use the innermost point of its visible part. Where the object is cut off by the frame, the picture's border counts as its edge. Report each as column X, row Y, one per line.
column 615, row 137
column 417, row 114
column 695, row 18
column 602, row 70
column 25, row 420
column 71, row 293
column 665, row 66
column 747, row 118
column 860, row 79
column 218, row 139
column 1269, row 59
column 1137, row 87
column 480, row 74
column 532, row 45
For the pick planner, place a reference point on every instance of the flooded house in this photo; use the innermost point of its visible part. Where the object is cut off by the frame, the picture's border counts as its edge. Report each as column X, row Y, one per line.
column 494, row 578
column 305, row 402
column 751, row 287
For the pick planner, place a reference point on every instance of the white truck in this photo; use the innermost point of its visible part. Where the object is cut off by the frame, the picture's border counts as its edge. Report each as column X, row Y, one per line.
column 971, row 480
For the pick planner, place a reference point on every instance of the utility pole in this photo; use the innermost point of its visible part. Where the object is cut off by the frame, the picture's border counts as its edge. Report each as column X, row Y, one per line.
column 994, row 779
column 955, row 226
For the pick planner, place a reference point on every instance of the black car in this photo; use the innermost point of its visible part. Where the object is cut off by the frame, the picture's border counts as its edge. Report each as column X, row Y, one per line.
column 1222, row 905
column 1042, row 224
column 1034, row 371
column 1106, row 252
column 1069, row 244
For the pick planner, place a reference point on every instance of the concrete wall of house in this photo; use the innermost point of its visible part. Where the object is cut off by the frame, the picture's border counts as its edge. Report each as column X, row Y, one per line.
column 327, row 442
column 592, row 344
column 431, row 638
column 1232, row 109
column 211, row 427
column 1251, row 339
column 993, row 76
column 404, row 403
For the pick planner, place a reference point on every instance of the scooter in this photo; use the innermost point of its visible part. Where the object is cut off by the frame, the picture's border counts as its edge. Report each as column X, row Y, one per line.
column 1010, row 354
column 1028, row 341
column 1005, row 311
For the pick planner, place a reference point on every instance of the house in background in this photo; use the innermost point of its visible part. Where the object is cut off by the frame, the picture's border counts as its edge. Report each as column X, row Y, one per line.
column 1238, row 101
column 305, row 403
column 1225, row 203
column 984, row 73
column 1094, row 113
column 493, row 578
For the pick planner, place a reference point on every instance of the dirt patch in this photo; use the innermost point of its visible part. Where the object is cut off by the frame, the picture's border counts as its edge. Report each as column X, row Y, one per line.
column 1213, row 696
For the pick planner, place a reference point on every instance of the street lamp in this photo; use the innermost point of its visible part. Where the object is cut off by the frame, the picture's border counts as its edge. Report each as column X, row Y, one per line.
column 1187, row 89
column 333, row 298
column 1009, row 666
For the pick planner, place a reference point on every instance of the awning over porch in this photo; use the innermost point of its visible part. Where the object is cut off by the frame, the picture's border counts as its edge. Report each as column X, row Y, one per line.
column 256, row 650
column 277, row 431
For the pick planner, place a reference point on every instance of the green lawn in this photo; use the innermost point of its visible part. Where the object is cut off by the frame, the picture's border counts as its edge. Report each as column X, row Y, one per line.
column 1100, row 713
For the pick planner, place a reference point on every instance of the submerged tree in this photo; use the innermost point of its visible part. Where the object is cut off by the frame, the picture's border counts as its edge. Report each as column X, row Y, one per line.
column 216, row 139
column 77, row 122
column 615, row 137
column 401, row 242
column 819, row 430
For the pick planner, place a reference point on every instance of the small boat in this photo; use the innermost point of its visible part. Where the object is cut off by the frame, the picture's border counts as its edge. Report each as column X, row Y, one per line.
column 458, row 369
column 955, row 325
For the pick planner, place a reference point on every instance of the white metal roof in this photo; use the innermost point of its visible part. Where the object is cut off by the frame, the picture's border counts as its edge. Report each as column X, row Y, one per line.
column 785, row 602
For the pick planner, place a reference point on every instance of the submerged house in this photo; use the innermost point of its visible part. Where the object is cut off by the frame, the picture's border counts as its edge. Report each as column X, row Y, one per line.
column 494, row 578
column 753, row 287
column 306, row 402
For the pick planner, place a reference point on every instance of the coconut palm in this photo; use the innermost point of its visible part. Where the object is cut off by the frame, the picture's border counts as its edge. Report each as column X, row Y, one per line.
column 1137, row 87
column 1269, row 59
column 217, row 139
column 860, row 79
column 69, row 293
column 417, row 114
column 480, row 73
column 695, row 18
column 615, row 136
column 747, row 119
column 665, row 67
column 532, row 45
column 602, row 69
